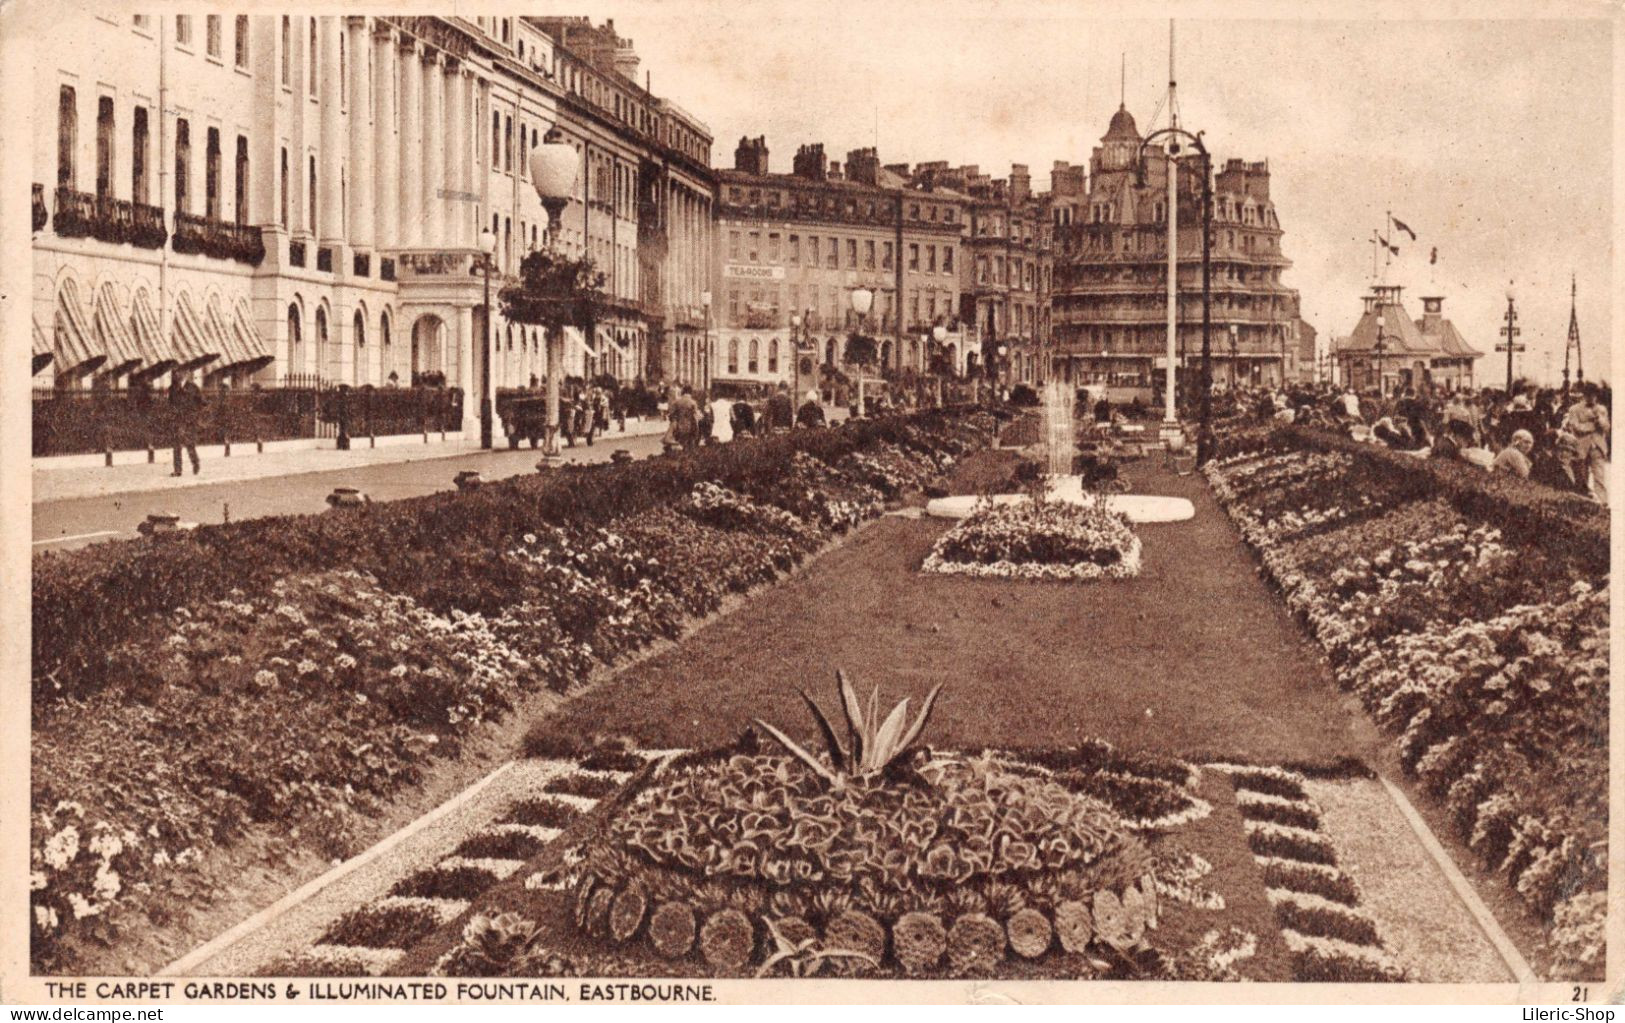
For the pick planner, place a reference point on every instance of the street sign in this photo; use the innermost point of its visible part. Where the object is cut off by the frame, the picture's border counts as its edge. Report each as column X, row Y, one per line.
column 1515, row 348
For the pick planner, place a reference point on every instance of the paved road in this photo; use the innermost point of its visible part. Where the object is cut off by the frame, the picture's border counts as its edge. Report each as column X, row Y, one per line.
column 65, row 524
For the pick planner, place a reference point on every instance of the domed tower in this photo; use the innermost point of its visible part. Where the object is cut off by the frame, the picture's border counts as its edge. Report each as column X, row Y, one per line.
column 1120, row 146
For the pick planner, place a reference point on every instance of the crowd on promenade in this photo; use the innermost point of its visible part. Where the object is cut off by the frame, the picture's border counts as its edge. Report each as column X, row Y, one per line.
column 1556, row 437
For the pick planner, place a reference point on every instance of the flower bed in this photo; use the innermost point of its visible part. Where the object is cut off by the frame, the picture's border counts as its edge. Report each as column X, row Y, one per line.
column 743, row 863
column 1038, row 540
column 1476, row 636
column 349, row 668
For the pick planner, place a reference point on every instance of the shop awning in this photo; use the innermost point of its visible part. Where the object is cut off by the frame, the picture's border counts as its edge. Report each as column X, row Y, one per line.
column 221, row 336
column 591, row 350
column 256, row 350
column 187, row 338
column 123, row 354
column 75, row 348
column 42, row 348
column 156, row 357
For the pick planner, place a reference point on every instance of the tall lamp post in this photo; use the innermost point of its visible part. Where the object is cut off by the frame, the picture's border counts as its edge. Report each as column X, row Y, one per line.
column 705, row 354
column 1235, row 333
column 488, row 247
column 554, row 166
column 862, row 299
column 939, row 334
column 1510, row 332
column 795, row 366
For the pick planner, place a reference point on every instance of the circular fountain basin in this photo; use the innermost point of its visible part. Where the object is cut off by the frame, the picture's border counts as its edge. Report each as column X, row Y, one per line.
column 1136, row 507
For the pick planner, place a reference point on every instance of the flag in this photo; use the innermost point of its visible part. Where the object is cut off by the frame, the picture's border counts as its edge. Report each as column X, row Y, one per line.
column 1434, row 257
column 1390, row 246
column 1403, row 227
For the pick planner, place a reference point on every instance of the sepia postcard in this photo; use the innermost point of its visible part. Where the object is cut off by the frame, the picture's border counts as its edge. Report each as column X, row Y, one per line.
column 702, row 502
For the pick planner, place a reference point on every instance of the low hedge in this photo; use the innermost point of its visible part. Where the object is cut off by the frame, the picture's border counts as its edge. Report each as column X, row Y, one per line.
column 1565, row 524
column 86, row 600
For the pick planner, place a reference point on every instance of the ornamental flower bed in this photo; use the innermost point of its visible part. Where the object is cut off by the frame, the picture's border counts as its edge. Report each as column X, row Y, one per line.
column 1480, row 641
column 328, row 677
column 1039, row 540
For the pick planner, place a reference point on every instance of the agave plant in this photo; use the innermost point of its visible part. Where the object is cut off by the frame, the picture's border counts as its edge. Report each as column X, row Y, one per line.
column 805, row 958
column 872, row 745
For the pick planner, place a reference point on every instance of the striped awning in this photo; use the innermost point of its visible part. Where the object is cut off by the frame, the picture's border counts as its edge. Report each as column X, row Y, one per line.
column 582, row 337
column 42, row 348
column 123, row 354
column 75, row 348
column 256, row 350
column 220, row 335
column 156, row 356
column 187, row 338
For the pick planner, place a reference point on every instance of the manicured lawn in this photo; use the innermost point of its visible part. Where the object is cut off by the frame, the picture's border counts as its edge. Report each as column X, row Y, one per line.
column 1193, row 657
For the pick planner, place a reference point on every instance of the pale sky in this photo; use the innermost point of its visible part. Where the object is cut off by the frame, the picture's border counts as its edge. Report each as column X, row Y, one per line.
column 1492, row 139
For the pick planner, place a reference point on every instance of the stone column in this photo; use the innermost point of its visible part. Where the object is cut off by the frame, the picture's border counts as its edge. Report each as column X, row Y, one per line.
column 361, row 138
column 387, row 181
column 456, row 143
column 467, row 233
column 433, row 152
column 467, row 377
column 331, row 161
column 411, row 142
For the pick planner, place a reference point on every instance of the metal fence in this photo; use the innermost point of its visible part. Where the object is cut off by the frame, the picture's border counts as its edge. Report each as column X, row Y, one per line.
column 71, row 421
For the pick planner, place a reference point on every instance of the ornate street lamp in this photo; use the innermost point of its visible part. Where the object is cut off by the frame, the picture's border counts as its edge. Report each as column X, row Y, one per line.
column 862, row 299
column 1510, row 332
column 554, row 166
column 486, row 263
column 705, row 355
column 939, row 334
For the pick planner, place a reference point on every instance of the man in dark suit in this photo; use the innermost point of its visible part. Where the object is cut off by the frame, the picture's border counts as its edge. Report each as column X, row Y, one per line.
column 185, row 407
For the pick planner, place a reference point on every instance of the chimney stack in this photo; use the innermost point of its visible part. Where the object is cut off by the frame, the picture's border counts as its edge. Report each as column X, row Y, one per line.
column 1021, row 183
column 809, row 162
column 751, row 155
column 863, row 166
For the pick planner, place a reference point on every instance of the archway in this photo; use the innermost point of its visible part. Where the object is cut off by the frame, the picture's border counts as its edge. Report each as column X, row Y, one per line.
column 428, row 346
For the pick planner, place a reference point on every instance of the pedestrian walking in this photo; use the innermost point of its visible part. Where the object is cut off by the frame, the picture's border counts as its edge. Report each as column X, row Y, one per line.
column 1587, row 422
column 779, row 409
column 185, row 407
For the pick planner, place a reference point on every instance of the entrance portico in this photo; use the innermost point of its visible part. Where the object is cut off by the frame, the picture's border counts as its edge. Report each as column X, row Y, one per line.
column 442, row 297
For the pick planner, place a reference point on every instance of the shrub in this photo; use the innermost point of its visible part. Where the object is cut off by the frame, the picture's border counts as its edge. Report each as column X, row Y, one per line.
column 461, row 882
column 395, row 926
column 546, row 813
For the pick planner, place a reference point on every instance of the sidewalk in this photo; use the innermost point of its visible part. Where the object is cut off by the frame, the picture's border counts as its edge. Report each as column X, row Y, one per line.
column 65, row 484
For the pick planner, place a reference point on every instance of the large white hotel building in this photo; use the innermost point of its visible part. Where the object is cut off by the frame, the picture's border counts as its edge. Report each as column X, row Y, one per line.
column 271, row 197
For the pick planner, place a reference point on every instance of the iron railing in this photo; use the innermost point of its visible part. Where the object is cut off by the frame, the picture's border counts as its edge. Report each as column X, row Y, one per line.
column 71, row 421
column 218, row 239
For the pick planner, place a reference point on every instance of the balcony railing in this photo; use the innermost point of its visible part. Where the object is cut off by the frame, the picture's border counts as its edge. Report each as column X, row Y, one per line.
column 82, row 215
column 218, row 239
column 40, row 216
column 296, row 253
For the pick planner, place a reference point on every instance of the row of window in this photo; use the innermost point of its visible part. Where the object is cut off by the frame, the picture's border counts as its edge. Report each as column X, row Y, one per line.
column 212, row 35
column 797, row 201
column 1154, row 242
column 1223, row 210
column 1017, row 273
column 746, row 246
column 762, row 305
column 67, row 170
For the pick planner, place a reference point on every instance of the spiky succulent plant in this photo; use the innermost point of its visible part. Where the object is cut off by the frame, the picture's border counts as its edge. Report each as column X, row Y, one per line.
column 872, row 744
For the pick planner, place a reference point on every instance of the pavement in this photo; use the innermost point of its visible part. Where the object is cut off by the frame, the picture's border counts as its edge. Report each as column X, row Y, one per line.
column 75, row 507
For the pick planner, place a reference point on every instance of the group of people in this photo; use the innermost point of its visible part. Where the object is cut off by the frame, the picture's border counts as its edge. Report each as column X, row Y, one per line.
column 587, row 411
column 1548, row 435
column 694, row 418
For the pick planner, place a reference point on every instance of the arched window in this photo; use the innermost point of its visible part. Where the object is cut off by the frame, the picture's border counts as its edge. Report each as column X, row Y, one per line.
column 914, row 353
column 773, row 356
column 296, row 337
column 510, row 337
column 360, row 330
column 733, row 355
column 321, row 340
column 755, row 356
